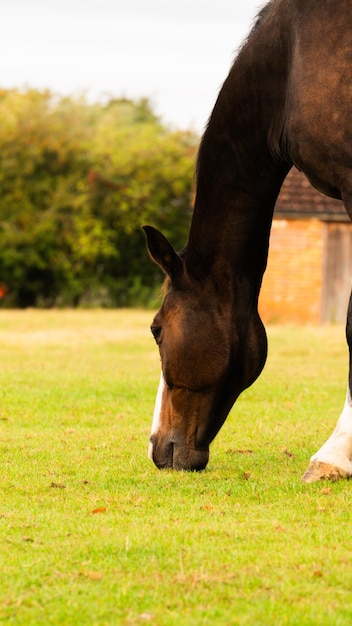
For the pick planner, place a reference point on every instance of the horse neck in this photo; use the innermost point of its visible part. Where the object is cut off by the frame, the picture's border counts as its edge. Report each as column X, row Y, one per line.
column 242, row 163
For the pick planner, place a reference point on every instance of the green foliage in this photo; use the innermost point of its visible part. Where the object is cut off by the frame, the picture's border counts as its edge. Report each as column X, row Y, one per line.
column 77, row 181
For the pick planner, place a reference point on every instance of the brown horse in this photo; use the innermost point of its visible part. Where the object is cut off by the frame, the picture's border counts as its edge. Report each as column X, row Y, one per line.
column 287, row 100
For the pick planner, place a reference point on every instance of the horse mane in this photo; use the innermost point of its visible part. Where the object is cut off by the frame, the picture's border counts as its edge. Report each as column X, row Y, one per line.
column 263, row 14
column 261, row 17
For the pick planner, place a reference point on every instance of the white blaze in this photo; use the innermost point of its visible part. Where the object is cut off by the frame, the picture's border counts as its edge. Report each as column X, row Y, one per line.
column 337, row 450
column 157, row 413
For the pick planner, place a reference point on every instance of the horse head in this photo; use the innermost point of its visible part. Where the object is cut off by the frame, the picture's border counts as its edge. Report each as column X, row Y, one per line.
column 208, row 356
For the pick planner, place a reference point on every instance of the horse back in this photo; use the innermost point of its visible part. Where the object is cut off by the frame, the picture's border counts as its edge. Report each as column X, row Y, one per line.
column 319, row 93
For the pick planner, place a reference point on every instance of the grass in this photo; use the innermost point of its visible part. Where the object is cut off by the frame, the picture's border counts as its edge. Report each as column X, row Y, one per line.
column 91, row 533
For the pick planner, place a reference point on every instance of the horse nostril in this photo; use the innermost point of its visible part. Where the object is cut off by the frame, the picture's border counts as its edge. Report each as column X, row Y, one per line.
column 161, row 453
column 150, row 449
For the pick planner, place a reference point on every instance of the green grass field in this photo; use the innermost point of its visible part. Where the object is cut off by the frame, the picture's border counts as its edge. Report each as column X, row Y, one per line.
column 93, row 534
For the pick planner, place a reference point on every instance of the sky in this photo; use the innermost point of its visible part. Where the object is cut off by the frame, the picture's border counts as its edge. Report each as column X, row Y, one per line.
column 177, row 53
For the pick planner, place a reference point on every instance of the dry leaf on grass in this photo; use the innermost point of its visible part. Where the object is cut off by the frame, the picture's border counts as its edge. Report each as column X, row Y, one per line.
column 239, row 451
column 100, row 509
column 288, row 453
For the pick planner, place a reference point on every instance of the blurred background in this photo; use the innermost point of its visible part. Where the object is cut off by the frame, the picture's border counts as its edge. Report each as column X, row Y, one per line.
column 102, row 103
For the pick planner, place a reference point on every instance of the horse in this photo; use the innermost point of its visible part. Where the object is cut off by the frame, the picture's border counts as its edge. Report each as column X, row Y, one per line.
column 287, row 101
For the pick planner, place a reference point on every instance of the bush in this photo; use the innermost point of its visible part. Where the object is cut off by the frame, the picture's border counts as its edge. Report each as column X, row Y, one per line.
column 77, row 181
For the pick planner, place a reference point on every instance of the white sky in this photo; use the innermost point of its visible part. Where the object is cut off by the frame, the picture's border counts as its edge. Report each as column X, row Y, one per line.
column 175, row 52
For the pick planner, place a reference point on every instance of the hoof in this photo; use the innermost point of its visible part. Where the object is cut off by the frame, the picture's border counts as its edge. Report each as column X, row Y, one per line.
column 323, row 471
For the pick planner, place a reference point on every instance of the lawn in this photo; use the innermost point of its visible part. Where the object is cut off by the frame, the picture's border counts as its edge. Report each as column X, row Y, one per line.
column 91, row 533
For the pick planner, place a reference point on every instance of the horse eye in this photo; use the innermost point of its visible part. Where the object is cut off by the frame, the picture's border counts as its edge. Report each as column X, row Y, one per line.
column 156, row 332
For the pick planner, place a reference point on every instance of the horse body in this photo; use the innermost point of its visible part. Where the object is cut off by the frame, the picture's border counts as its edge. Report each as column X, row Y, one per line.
column 287, row 100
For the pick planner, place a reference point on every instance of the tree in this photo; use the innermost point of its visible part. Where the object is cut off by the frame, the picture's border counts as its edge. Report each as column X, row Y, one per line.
column 77, row 181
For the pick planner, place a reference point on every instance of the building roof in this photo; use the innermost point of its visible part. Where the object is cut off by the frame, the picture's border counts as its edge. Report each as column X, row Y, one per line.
column 299, row 200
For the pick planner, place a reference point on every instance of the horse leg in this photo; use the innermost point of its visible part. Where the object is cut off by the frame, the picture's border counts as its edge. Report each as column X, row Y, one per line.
column 334, row 459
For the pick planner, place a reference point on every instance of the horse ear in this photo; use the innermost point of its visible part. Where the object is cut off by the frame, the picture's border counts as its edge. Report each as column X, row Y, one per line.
column 162, row 252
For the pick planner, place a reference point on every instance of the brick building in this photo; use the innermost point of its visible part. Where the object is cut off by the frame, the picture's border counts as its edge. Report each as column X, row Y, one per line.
column 309, row 273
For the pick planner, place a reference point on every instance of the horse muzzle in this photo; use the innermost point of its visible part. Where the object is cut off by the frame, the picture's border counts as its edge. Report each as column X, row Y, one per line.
column 178, row 457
